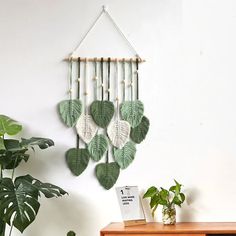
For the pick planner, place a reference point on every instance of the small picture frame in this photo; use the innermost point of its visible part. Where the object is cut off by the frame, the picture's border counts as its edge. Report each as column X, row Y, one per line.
column 130, row 205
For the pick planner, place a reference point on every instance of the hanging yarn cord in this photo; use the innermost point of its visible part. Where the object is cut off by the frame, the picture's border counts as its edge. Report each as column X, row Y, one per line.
column 131, row 79
column 85, row 88
column 102, row 82
column 70, row 79
column 95, row 85
column 123, row 79
column 117, row 89
column 108, row 78
column 78, row 94
column 137, row 79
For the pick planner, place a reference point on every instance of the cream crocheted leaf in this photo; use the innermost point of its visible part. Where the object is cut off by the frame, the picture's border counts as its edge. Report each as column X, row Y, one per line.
column 118, row 132
column 86, row 128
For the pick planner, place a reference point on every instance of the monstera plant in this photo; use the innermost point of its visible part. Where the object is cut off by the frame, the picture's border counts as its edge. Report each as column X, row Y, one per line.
column 19, row 196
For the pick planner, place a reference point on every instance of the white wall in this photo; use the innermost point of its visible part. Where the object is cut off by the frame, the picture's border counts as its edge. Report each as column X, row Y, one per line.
column 188, row 87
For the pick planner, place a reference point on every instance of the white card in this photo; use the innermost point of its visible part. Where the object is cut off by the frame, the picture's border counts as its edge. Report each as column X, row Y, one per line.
column 130, row 204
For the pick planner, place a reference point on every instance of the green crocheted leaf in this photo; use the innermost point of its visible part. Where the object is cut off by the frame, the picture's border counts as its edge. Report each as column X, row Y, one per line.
column 70, row 111
column 102, row 112
column 125, row 155
column 107, row 174
column 132, row 111
column 97, row 147
column 77, row 160
column 139, row 133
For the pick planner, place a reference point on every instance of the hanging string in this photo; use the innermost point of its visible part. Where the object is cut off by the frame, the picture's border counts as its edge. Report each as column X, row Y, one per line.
column 78, row 93
column 85, row 88
column 137, row 79
column 108, row 78
column 105, row 11
column 102, row 84
column 123, row 80
column 70, row 79
column 131, row 79
column 108, row 95
column 95, row 86
column 117, row 90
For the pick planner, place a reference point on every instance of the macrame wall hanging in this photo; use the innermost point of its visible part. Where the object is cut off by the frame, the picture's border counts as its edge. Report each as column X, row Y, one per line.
column 113, row 123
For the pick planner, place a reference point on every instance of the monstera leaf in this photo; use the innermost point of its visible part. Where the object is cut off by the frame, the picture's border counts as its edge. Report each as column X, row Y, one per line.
column 125, row 155
column 9, row 126
column 97, row 147
column 132, row 111
column 102, row 112
column 19, row 200
column 77, row 160
column 70, row 111
column 2, row 146
column 118, row 131
column 107, row 174
column 86, row 128
column 43, row 143
column 2, row 227
column 47, row 189
column 139, row 133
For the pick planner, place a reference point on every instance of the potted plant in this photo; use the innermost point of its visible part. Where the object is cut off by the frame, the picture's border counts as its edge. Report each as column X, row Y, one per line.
column 19, row 196
column 168, row 199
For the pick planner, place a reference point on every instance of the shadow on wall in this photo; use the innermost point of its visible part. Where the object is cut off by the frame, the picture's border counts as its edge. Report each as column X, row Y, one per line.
column 71, row 213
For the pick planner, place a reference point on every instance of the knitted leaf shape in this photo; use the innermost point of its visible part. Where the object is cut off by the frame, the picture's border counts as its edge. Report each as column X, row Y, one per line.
column 86, row 128
column 102, row 112
column 107, row 174
column 132, row 111
column 118, row 132
column 125, row 155
column 77, row 160
column 97, row 147
column 139, row 133
column 70, row 111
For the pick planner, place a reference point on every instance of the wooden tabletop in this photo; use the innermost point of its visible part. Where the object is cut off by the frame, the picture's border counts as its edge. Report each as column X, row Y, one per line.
column 188, row 227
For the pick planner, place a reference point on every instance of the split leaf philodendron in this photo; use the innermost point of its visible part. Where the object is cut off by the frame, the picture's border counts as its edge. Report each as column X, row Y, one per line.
column 98, row 147
column 70, row 111
column 19, row 197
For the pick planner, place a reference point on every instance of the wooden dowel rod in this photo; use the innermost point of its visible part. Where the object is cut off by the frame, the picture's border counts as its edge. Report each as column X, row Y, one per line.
column 104, row 59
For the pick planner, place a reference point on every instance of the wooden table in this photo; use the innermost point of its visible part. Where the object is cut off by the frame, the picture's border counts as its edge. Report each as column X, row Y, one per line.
column 180, row 229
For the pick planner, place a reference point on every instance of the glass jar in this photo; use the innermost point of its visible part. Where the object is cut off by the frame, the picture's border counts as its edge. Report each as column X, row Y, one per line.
column 169, row 215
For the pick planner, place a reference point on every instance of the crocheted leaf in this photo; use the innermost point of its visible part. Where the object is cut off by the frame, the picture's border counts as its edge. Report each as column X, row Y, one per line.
column 77, row 160
column 132, row 111
column 118, row 131
column 139, row 133
column 97, row 147
column 125, row 155
column 102, row 112
column 107, row 174
column 70, row 111
column 86, row 128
